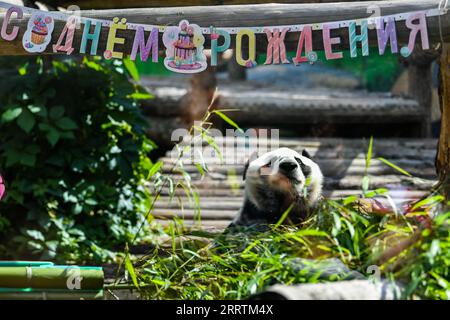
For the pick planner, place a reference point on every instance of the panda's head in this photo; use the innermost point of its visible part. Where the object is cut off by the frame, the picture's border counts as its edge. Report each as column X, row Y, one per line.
column 284, row 171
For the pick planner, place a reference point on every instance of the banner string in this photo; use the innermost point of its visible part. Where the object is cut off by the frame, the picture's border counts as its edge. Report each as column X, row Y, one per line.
column 62, row 16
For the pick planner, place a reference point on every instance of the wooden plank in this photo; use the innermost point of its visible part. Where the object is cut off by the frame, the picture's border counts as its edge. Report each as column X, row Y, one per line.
column 207, row 225
column 344, row 143
column 331, row 194
column 189, row 214
column 249, row 15
column 336, row 171
column 343, row 154
column 116, row 4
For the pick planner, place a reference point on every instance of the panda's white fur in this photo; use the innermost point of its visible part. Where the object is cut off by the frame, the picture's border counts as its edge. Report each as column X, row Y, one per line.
column 277, row 180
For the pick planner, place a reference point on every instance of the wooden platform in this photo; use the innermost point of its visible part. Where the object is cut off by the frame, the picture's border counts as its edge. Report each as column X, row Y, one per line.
column 342, row 161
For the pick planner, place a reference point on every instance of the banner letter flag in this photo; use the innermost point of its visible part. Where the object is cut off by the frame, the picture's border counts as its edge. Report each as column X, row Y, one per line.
column 113, row 39
column 39, row 32
column 145, row 48
column 416, row 28
column 87, row 36
column 328, row 41
column 387, row 33
column 276, row 47
column 251, row 61
column 184, row 43
column 363, row 37
column 184, row 48
column 215, row 48
column 68, row 33
column 306, row 39
column 15, row 30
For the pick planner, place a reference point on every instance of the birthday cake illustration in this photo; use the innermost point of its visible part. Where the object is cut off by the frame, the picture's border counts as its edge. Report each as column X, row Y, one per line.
column 38, row 33
column 184, row 48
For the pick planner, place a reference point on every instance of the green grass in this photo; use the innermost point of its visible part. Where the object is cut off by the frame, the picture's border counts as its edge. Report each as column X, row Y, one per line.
column 405, row 244
column 199, row 265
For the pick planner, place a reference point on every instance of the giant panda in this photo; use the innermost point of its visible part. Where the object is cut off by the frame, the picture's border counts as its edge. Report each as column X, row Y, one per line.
column 276, row 180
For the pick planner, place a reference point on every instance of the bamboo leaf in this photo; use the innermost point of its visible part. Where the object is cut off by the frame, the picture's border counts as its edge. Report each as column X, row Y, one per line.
column 369, row 154
column 131, row 271
column 228, row 120
column 394, row 166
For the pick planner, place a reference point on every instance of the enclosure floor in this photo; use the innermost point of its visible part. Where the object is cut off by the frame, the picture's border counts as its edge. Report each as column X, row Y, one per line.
column 343, row 162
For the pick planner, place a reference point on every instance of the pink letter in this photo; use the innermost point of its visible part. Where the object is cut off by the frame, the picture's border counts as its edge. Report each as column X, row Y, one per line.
column 328, row 42
column 415, row 28
column 15, row 30
column 68, row 32
column 305, row 37
column 276, row 46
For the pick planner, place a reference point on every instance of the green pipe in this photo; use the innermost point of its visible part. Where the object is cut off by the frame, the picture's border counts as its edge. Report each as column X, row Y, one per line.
column 56, row 277
column 49, row 294
column 25, row 263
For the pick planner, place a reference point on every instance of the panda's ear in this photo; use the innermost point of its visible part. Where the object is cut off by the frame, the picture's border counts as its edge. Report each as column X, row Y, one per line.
column 252, row 157
column 306, row 154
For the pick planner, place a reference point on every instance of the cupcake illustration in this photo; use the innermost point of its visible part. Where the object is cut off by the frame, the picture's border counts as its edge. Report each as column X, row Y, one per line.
column 39, row 31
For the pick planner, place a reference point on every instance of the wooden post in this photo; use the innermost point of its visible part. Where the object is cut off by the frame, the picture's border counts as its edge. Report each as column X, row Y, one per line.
column 419, row 84
column 200, row 94
column 443, row 156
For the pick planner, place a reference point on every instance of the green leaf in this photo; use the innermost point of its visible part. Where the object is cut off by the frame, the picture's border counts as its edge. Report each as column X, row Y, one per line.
column 154, row 169
column 140, row 96
column 369, row 154
column 34, row 109
column 428, row 201
column 28, row 159
column 228, row 120
column 336, row 224
column 365, row 183
column 26, row 121
column 35, row 234
column 284, row 216
column 11, row 114
column 56, row 112
column 131, row 271
column 131, row 67
column 52, row 136
column 66, row 124
column 394, row 166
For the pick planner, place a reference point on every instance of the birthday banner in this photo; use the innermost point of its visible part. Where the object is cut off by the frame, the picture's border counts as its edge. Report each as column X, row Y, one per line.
column 184, row 51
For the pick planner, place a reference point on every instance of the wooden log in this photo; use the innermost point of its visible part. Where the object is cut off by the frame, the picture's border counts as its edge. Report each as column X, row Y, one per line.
column 344, row 143
column 116, row 4
column 189, row 214
column 443, row 156
column 249, row 15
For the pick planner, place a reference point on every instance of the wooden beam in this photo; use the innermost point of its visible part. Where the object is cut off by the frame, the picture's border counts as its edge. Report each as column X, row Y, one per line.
column 419, row 84
column 443, row 156
column 251, row 15
column 117, row 4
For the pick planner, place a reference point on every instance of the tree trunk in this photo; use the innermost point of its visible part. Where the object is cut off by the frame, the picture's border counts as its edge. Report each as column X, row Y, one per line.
column 443, row 156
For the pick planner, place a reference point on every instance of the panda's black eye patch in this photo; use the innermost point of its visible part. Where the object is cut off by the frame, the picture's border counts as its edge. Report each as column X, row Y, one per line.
column 305, row 169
